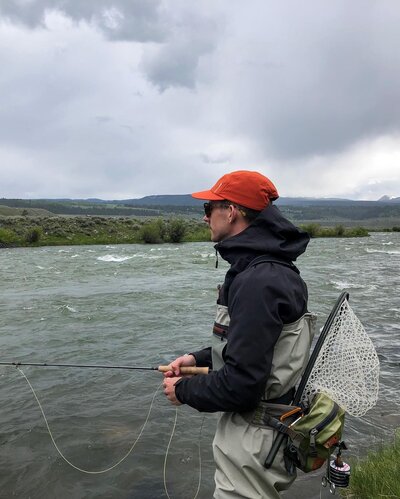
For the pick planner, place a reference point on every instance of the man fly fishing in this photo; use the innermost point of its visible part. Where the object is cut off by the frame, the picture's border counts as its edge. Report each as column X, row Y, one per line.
column 261, row 336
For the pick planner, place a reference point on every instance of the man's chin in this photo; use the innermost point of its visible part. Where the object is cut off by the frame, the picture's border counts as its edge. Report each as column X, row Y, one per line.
column 214, row 237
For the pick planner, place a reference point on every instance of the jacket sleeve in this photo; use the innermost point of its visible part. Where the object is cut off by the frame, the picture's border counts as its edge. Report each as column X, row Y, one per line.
column 203, row 357
column 257, row 304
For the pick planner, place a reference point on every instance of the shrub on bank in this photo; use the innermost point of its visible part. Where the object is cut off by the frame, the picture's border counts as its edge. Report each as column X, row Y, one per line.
column 312, row 229
column 34, row 235
column 315, row 230
column 358, row 232
column 197, row 232
column 152, row 232
column 339, row 230
column 176, row 230
column 8, row 236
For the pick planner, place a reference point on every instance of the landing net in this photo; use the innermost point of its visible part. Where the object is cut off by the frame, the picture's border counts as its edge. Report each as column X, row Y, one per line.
column 347, row 366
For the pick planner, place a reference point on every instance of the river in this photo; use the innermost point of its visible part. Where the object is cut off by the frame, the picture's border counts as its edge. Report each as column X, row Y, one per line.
column 143, row 305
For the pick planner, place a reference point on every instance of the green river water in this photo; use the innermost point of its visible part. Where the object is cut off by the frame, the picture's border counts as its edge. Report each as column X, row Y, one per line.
column 144, row 305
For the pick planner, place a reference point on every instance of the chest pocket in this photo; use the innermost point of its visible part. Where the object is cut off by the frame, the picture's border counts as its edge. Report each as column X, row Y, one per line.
column 219, row 337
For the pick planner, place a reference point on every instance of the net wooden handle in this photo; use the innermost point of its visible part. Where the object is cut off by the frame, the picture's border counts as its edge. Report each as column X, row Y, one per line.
column 186, row 369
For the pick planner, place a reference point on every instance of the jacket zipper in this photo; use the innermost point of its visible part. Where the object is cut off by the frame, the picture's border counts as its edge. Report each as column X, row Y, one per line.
column 320, row 426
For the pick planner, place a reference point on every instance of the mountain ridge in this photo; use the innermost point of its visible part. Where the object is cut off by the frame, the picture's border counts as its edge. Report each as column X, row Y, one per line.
column 187, row 200
column 389, row 199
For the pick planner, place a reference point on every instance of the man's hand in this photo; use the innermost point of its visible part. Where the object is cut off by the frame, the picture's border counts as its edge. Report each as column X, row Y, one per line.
column 169, row 389
column 184, row 360
column 173, row 376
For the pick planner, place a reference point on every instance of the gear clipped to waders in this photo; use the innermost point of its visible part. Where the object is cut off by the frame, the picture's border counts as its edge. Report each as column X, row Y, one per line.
column 337, row 471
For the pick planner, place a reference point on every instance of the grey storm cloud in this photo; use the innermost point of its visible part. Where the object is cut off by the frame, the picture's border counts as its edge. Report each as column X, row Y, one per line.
column 327, row 75
column 176, row 63
column 171, row 91
column 182, row 36
column 120, row 20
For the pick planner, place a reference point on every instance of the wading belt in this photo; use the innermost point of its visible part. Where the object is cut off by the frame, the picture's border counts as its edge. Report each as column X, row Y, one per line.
column 285, row 399
column 275, row 416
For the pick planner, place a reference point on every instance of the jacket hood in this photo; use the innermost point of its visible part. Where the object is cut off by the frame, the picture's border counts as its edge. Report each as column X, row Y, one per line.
column 269, row 234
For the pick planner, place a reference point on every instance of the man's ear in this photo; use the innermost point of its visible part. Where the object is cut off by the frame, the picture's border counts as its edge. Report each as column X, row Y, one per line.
column 232, row 215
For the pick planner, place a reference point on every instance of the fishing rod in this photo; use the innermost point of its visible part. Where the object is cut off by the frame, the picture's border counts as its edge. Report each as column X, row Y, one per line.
column 163, row 369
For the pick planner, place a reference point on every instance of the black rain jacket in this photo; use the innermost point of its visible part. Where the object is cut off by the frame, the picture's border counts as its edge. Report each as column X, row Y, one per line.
column 261, row 298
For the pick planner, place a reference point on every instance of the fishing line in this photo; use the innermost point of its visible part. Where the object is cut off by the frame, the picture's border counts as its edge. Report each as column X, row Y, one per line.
column 167, row 453
column 62, row 455
column 89, row 472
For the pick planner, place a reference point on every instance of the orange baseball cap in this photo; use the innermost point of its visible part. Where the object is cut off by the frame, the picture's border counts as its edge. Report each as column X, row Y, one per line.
column 249, row 189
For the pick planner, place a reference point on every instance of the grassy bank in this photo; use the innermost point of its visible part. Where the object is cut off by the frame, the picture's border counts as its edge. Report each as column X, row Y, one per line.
column 316, row 230
column 74, row 230
column 378, row 475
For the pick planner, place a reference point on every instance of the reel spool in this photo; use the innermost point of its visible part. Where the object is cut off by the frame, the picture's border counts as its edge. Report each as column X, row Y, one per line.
column 338, row 472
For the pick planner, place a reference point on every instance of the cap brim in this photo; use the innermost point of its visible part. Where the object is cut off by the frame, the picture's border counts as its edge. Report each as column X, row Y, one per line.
column 207, row 195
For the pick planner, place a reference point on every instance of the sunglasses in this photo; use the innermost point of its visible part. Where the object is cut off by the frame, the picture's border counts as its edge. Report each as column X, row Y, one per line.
column 208, row 207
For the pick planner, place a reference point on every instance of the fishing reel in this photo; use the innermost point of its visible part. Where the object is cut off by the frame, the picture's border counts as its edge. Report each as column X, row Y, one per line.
column 337, row 471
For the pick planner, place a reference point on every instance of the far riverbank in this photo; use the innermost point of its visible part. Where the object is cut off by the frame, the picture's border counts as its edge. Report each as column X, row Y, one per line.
column 23, row 231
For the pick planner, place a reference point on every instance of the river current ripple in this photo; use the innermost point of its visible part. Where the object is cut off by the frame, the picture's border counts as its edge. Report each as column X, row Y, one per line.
column 143, row 305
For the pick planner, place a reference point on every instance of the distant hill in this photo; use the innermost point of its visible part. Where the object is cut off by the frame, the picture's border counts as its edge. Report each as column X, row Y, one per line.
column 49, row 207
column 382, row 213
column 163, row 200
column 187, row 200
column 387, row 199
column 7, row 211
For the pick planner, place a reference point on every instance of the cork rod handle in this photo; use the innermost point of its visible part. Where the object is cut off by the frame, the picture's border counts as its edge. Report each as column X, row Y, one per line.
column 186, row 369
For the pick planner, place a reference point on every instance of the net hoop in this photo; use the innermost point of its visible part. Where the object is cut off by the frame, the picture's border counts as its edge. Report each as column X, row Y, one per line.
column 344, row 363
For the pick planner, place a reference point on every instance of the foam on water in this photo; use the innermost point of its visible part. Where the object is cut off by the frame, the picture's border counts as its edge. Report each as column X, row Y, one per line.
column 341, row 285
column 167, row 248
column 67, row 308
column 114, row 258
column 393, row 252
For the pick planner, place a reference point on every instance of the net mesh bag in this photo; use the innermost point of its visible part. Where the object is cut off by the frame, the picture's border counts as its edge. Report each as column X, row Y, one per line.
column 347, row 366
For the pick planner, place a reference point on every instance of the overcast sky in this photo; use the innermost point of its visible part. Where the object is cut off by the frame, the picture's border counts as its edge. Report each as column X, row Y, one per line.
column 126, row 98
